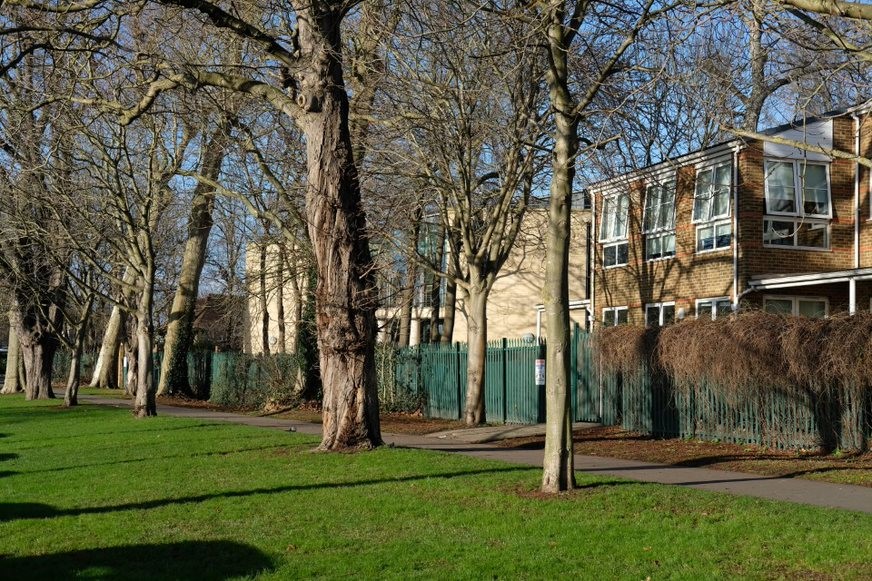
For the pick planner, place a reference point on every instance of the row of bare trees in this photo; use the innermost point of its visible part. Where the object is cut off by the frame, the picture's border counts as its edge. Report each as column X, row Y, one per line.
column 337, row 122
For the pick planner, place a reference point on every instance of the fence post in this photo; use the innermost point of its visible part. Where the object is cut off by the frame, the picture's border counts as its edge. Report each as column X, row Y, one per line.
column 457, row 366
column 504, row 360
column 573, row 371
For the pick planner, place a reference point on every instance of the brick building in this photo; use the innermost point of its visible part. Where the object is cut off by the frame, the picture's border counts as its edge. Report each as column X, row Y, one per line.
column 756, row 223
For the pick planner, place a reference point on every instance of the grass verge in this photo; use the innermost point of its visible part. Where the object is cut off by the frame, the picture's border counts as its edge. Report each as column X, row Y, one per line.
column 93, row 492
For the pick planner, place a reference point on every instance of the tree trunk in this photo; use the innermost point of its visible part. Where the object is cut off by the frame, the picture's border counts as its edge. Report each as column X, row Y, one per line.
column 105, row 370
column 346, row 295
column 280, row 299
column 262, row 297
column 38, row 357
column 476, row 362
column 449, row 308
column 180, row 328
column 144, row 403
column 558, row 465
column 13, row 366
column 435, row 295
column 71, row 396
column 131, row 354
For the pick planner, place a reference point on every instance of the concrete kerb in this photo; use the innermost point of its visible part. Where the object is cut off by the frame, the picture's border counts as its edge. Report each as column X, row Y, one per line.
column 822, row 494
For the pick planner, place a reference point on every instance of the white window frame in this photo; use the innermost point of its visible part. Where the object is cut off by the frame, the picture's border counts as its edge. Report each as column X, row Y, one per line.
column 797, row 187
column 662, row 232
column 614, row 310
column 615, row 245
column 795, row 302
column 714, row 301
column 797, row 222
column 714, row 226
column 660, row 307
column 712, row 168
column 613, row 238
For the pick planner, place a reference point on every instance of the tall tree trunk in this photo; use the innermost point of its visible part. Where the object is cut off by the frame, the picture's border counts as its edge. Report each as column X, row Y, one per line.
column 262, row 298
column 38, row 354
column 280, row 299
column 408, row 294
column 476, row 319
column 105, row 370
column 558, row 465
column 11, row 382
column 131, row 354
column 144, row 403
column 450, row 306
column 435, row 294
column 346, row 295
column 180, row 328
column 71, row 396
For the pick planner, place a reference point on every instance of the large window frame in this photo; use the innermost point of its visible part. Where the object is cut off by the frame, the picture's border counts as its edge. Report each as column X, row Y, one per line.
column 798, row 174
column 663, row 309
column 658, row 220
column 612, row 316
column 795, row 301
column 712, row 207
column 717, row 306
column 614, row 226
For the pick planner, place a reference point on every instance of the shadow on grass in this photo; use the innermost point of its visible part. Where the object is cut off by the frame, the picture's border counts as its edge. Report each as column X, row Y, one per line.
column 156, row 458
column 21, row 511
column 200, row 560
column 4, row 473
column 8, row 456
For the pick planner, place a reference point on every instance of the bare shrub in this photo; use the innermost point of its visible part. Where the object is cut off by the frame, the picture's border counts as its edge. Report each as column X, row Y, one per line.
column 847, row 352
column 623, row 349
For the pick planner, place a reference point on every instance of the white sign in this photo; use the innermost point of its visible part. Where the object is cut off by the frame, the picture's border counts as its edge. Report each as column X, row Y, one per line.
column 540, row 372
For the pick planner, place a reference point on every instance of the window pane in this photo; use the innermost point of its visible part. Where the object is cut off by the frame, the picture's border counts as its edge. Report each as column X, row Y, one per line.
column 667, row 206
column 778, row 233
column 652, row 207
column 815, row 193
column 652, row 316
column 812, row 308
column 705, row 238
column 609, row 317
column 721, row 199
column 621, row 253
column 621, row 317
column 652, row 247
column 668, row 314
column 608, row 215
column 781, row 193
column 812, row 235
column 667, row 245
column 724, row 308
column 702, row 202
column 620, row 227
column 778, row 306
column 609, row 256
column 723, row 235
column 704, row 310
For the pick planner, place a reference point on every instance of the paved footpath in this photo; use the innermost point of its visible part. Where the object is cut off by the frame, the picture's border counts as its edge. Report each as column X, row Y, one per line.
column 843, row 496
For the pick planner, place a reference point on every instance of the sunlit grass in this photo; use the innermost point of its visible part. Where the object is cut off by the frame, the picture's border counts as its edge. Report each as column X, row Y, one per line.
column 96, row 493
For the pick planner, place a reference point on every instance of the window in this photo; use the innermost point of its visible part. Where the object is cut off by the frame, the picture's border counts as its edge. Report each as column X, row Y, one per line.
column 712, row 198
column 796, row 233
column 797, row 188
column 813, row 307
column 714, row 236
column 713, row 308
column 658, row 223
column 659, row 314
column 615, row 316
column 711, row 208
column 613, row 230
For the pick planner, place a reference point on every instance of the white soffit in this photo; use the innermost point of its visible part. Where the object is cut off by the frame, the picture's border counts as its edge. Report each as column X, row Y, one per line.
column 817, row 133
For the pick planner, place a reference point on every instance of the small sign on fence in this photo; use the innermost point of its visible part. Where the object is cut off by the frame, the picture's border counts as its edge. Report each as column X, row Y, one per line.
column 540, row 372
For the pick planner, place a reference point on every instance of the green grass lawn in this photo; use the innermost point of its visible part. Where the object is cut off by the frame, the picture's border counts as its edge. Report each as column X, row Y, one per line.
column 94, row 493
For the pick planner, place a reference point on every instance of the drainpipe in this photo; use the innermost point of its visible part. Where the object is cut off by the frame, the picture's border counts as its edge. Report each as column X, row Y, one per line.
column 856, row 192
column 591, row 250
column 736, row 294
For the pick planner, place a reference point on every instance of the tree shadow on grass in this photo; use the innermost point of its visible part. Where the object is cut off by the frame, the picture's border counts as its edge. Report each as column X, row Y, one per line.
column 4, row 473
column 198, row 560
column 19, row 511
column 8, row 456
